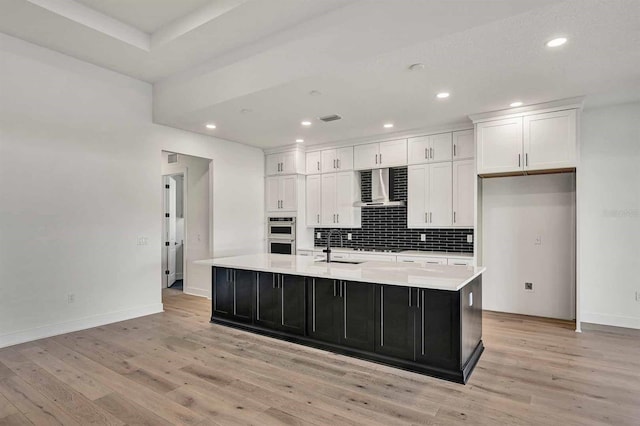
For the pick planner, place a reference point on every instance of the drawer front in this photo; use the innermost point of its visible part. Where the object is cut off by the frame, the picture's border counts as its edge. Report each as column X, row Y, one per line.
column 459, row 262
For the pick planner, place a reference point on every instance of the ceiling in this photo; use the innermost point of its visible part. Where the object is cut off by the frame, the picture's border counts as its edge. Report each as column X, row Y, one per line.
column 249, row 65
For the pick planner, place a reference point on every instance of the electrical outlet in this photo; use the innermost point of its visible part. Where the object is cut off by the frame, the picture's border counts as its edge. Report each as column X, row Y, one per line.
column 349, row 236
column 528, row 286
column 470, row 238
column 318, row 235
column 423, row 237
column 143, row 241
column 71, row 298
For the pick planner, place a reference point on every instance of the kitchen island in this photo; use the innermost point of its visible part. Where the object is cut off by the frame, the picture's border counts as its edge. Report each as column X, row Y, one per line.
column 423, row 319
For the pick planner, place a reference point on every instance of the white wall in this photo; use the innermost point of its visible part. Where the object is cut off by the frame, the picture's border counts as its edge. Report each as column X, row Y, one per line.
column 515, row 212
column 80, row 163
column 609, row 215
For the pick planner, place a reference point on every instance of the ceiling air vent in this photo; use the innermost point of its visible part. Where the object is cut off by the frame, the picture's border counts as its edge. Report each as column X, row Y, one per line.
column 328, row 118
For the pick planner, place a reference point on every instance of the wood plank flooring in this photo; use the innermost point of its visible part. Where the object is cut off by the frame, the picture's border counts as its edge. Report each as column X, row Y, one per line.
column 176, row 368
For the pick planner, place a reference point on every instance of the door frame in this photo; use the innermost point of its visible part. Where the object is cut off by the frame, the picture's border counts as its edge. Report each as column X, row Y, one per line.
column 175, row 170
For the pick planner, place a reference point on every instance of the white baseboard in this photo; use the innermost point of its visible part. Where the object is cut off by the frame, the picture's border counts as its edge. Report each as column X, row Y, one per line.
column 612, row 320
column 197, row 292
column 24, row 336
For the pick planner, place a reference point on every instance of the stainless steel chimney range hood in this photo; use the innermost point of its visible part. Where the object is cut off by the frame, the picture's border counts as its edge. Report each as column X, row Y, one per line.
column 381, row 190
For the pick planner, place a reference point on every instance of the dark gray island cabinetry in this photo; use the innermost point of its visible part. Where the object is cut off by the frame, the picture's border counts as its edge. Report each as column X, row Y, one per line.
column 426, row 320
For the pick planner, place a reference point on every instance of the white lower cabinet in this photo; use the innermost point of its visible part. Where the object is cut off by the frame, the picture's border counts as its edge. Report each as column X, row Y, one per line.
column 423, row 261
column 464, row 181
column 281, row 193
column 429, row 195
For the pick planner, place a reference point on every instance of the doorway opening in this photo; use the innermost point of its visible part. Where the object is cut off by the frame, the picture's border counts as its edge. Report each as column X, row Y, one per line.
column 186, row 224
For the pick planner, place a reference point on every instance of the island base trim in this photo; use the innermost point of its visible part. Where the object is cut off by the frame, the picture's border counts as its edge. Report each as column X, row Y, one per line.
column 461, row 376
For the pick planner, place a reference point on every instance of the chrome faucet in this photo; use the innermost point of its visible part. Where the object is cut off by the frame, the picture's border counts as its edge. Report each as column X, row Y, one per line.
column 328, row 249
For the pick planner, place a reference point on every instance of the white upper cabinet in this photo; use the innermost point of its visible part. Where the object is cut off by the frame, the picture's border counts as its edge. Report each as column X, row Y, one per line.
column 281, row 193
column 500, row 146
column 463, row 145
column 313, row 201
column 429, row 195
column 379, row 155
column 328, row 199
column 464, row 181
column 283, row 163
column 313, row 161
column 550, row 140
column 338, row 193
column 430, row 149
column 531, row 142
column 335, row 160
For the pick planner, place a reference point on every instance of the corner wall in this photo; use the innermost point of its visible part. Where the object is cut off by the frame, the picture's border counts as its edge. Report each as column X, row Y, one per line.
column 609, row 215
column 80, row 164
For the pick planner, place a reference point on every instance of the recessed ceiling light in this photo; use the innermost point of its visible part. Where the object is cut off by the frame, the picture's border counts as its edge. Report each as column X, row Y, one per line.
column 416, row 67
column 211, row 126
column 515, row 104
column 388, row 125
column 556, row 42
column 299, row 140
column 306, row 123
column 443, row 95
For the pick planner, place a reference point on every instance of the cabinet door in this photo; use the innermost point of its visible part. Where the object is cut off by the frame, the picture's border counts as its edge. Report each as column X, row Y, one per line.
column 272, row 195
column 463, row 146
column 328, row 199
column 344, row 158
column 223, row 292
column 440, row 148
column 393, row 153
column 329, row 163
column 273, row 164
column 418, row 150
column 289, row 165
column 243, row 291
column 460, row 262
column 313, row 162
column 324, row 310
column 417, row 179
column 344, row 196
column 439, row 204
column 267, row 301
column 500, row 146
column 550, row 140
column 395, row 321
column 464, row 181
column 288, row 191
column 438, row 328
column 314, row 200
column 358, row 326
column 366, row 156
column 292, row 304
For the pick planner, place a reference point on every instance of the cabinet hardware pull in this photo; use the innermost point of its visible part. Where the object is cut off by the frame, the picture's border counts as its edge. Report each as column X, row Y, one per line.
column 426, row 153
column 343, row 288
column 318, row 218
column 381, row 316
column 418, row 297
column 258, row 297
column 313, row 285
column 273, row 281
column 410, row 296
column 422, row 332
column 335, row 292
column 334, row 163
column 518, row 160
column 337, row 217
column 376, row 158
column 282, row 301
column 426, row 217
column 454, row 150
column 430, row 217
column 526, row 159
column 338, row 162
column 344, row 310
column 454, row 217
column 234, row 293
column 318, row 166
column 380, row 158
column 431, row 151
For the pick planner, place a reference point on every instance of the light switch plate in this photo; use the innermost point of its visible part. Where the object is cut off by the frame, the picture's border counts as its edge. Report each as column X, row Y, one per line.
column 423, row 237
column 470, row 238
column 318, row 235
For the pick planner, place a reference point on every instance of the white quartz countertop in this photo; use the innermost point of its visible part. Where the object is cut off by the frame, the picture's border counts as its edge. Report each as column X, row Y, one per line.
column 437, row 277
column 417, row 253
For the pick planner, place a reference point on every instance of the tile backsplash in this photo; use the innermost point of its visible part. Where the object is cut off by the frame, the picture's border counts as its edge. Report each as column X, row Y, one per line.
column 387, row 226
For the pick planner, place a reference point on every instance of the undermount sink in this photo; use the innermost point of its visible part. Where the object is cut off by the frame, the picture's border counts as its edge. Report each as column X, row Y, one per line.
column 350, row 262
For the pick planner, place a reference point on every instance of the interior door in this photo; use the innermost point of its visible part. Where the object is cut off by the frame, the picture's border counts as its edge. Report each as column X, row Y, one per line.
column 417, row 196
column 170, row 230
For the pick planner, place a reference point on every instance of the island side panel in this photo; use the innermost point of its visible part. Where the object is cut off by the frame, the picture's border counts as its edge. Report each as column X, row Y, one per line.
column 471, row 318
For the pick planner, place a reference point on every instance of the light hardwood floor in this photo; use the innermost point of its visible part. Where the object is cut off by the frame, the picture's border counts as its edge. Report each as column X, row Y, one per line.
column 176, row 368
